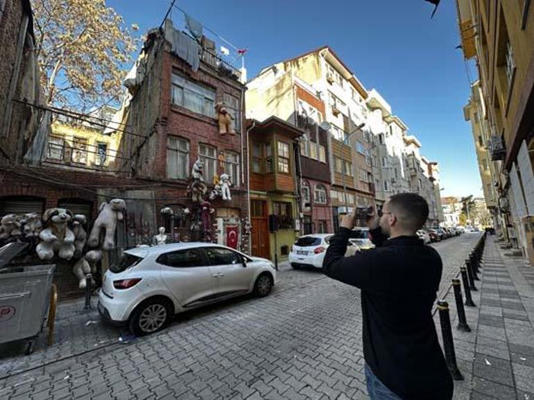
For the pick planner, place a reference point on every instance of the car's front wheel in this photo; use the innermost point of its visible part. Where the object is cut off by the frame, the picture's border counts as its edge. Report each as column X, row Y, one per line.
column 263, row 285
column 150, row 316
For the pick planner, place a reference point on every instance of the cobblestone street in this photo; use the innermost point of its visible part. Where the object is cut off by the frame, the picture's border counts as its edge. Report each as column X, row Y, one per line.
column 302, row 341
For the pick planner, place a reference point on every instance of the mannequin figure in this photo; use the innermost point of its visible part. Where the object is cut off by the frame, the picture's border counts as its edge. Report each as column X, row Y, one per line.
column 160, row 238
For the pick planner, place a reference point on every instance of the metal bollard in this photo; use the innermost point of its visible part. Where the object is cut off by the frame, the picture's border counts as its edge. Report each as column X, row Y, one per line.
column 88, row 280
column 468, row 299
column 470, row 275
column 474, row 269
column 448, row 343
column 462, row 320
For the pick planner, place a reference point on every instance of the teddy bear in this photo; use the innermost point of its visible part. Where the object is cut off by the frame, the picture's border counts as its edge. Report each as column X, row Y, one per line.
column 225, row 120
column 108, row 215
column 78, row 228
column 225, row 187
column 9, row 227
column 56, row 237
column 31, row 224
column 81, row 270
column 197, row 187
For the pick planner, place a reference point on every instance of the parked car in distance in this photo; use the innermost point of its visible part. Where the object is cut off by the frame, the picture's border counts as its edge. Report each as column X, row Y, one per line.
column 309, row 250
column 424, row 235
column 434, row 235
column 151, row 284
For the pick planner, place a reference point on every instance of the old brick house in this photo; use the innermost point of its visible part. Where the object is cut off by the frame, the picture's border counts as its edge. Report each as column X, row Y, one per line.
column 174, row 121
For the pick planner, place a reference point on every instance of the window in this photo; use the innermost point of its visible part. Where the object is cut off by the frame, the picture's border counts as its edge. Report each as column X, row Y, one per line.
column 343, row 166
column 220, row 256
column 510, row 64
column 319, row 195
column 257, row 208
column 284, row 213
column 305, row 193
column 177, row 158
column 384, row 161
column 381, row 138
column 231, row 166
column 322, row 153
column 56, row 148
column 313, row 150
column 193, row 96
column 101, row 153
column 283, row 157
column 385, row 186
column 321, row 226
column 305, row 145
column 267, row 151
column 363, row 175
column 232, row 103
column 257, row 158
column 338, row 133
column 208, row 155
column 360, row 148
column 307, row 225
column 183, row 259
column 79, row 151
column 348, row 168
column 480, row 141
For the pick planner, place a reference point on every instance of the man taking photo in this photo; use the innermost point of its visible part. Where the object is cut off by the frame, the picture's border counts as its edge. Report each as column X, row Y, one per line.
column 399, row 280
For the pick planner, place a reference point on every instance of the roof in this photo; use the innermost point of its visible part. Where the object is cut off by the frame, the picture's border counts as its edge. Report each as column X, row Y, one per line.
column 274, row 121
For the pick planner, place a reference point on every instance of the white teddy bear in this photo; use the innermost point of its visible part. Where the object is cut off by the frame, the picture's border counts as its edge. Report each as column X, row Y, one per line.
column 81, row 269
column 56, row 237
column 225, row 187
column 9, row 226
column 109, row 214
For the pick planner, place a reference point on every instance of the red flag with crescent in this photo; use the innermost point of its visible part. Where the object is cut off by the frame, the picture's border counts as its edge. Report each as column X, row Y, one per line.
column 232, row 236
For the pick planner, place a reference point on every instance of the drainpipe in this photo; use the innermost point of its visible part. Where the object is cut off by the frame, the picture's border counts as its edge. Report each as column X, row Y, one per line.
column 248, row 183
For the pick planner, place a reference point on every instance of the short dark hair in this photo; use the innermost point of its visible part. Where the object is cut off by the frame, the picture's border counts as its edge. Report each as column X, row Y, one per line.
column 411, row 210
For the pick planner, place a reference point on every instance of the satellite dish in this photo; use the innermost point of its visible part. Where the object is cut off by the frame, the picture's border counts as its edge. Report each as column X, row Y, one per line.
column 325, row 126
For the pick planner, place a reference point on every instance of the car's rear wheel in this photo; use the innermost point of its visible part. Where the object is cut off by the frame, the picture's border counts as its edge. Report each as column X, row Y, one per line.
column 263, row 285
column 295, row 266
column 150, row 316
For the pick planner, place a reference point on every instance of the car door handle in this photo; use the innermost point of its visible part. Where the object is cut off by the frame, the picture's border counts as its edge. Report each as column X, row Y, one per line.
column 218, row 274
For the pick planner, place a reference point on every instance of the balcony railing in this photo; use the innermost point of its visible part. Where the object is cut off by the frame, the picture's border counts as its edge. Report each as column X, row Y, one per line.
column 496, row 148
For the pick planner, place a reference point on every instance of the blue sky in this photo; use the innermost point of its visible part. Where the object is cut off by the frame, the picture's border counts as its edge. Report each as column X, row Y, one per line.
column 390, row 45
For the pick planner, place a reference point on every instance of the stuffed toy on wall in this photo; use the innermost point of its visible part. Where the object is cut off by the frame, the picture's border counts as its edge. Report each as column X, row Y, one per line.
column 9, row 227
column 31, row 225
column 225, row 119
column 78, row 228
column 197, row 187
column 109, row 214
column 225, row 187
column 81, row 270
column 56, row 237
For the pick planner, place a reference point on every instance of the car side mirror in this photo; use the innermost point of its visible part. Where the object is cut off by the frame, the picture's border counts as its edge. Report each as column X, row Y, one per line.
column 244, row 261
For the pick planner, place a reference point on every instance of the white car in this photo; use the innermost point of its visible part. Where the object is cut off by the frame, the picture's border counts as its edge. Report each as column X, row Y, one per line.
column 309, row 250
column 151, row 284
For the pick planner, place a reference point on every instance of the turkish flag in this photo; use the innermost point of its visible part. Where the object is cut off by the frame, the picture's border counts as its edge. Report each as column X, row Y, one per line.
column 232, row 236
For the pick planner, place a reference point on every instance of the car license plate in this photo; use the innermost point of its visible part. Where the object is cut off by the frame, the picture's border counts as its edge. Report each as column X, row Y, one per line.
column 302, row 252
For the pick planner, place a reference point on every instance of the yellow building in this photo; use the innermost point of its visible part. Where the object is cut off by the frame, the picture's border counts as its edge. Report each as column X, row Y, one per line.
column 81, row 145
column 499, row 34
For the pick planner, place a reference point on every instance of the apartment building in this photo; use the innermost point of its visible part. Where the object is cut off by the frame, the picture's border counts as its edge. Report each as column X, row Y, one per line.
column 498, row 34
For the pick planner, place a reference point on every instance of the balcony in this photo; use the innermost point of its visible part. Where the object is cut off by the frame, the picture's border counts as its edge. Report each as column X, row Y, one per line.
column 496, row 148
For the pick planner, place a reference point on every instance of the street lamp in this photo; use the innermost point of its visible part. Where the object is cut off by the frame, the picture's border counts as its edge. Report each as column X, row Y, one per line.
column 326, row 126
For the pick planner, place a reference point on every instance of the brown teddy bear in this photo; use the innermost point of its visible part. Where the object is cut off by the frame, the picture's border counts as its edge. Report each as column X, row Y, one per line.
column 225, row 120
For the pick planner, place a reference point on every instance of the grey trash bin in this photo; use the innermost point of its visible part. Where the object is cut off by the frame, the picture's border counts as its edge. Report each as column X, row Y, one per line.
column 24, row 300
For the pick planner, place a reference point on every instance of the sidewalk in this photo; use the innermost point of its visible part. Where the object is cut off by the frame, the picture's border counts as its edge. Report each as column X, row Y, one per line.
column 497, row 357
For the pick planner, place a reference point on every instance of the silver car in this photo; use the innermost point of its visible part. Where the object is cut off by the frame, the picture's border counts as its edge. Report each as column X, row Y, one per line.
column 151, row 284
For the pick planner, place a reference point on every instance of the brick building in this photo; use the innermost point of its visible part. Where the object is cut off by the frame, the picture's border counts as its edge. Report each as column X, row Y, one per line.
column 173, row 120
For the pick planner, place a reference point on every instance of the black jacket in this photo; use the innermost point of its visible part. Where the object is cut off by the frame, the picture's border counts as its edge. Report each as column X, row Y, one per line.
column 399, row 280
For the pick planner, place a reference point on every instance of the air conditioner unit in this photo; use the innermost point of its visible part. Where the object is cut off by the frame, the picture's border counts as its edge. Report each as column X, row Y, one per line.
column 335, row 110
column 330, row 77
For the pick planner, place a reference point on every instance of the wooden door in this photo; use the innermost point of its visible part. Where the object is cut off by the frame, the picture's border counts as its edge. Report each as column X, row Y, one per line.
column 260, row 229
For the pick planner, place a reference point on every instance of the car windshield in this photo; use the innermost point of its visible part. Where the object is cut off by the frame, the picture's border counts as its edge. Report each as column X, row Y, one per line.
column 126, row 261
column 307, row 241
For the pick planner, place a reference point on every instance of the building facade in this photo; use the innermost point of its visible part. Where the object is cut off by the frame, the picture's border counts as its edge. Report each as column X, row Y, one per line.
column 273, row 187
column 498, row 35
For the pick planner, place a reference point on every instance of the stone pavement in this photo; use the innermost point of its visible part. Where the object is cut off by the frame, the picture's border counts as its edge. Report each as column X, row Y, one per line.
column 303, row 341
column 497, row 357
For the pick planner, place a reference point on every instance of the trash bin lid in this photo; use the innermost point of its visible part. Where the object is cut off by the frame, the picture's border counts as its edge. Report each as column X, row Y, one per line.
column 10, row 251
